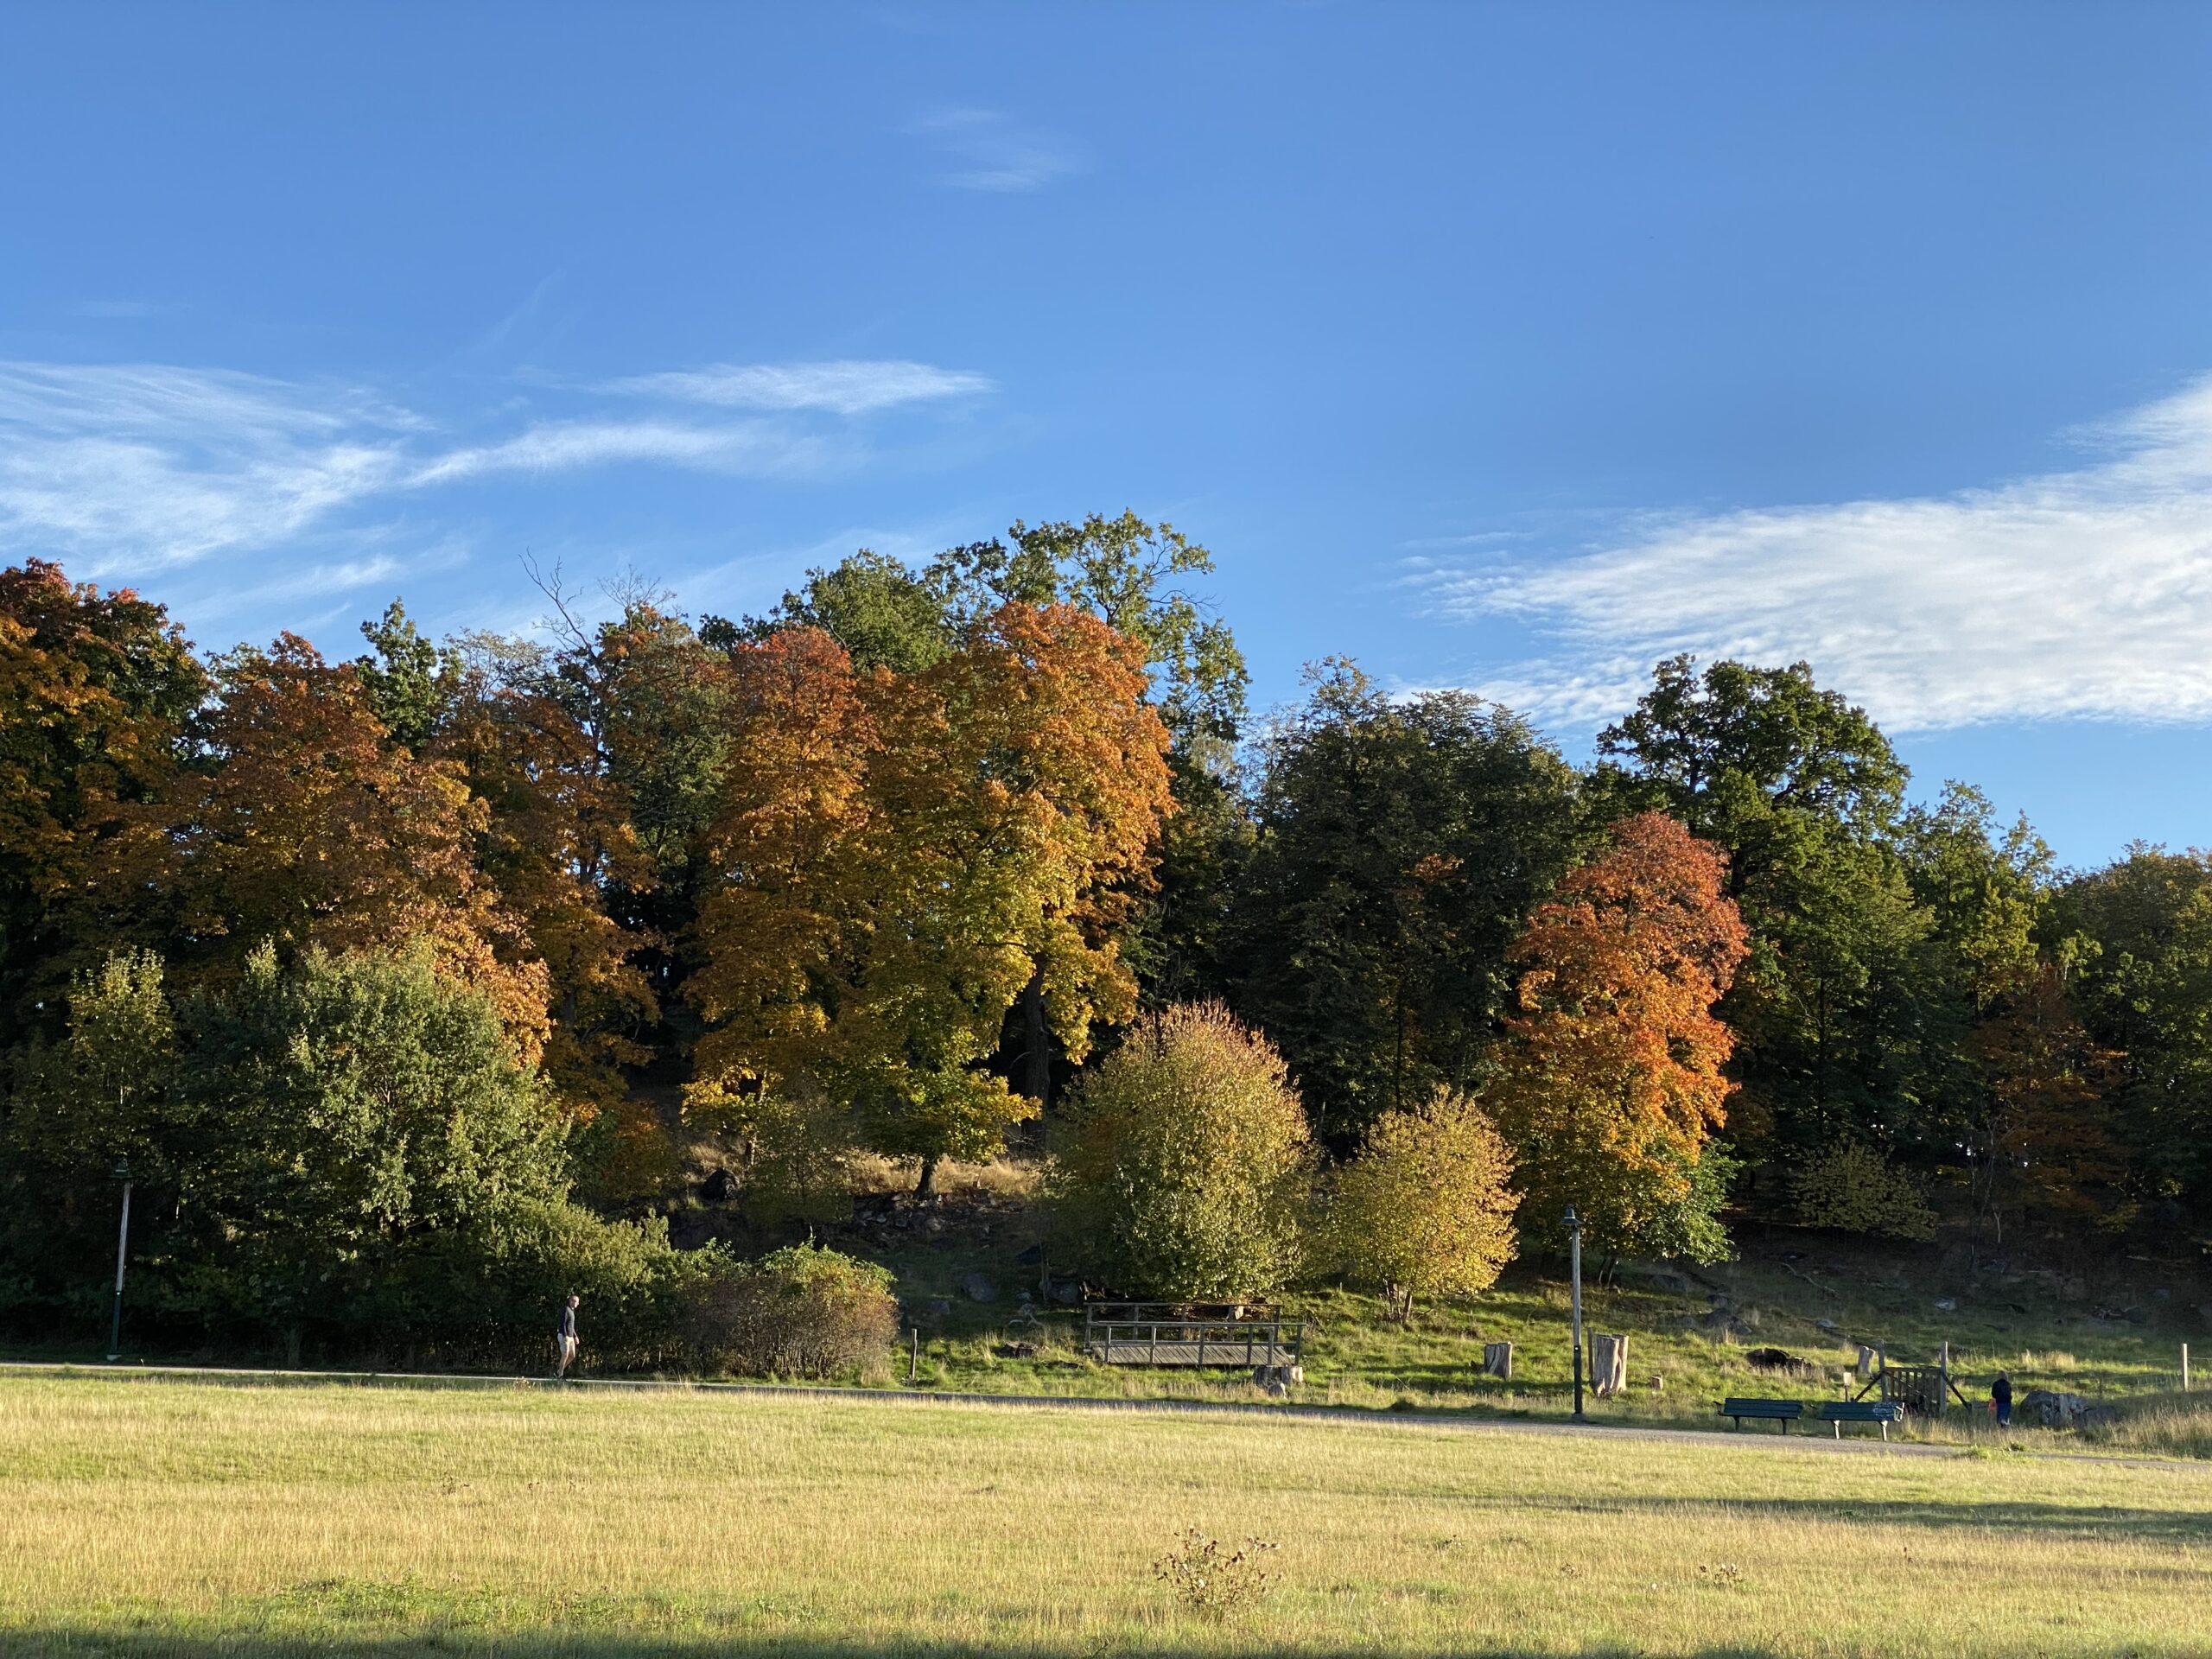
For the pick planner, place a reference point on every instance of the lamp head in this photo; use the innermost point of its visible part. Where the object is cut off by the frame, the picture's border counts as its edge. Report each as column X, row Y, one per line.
column 1573, row 1221
column 123, row 1169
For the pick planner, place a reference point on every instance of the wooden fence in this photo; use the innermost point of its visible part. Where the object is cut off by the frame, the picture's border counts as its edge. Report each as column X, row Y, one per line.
column 1227, row 1336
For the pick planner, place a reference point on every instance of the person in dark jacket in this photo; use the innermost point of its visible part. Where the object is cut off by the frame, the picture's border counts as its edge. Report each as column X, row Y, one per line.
column 2000, row 1396
column 564, row 1336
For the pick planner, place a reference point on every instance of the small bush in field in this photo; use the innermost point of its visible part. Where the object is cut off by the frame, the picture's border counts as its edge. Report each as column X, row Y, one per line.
column 1425, row 1210
column 1211, row 1581
column 1181, row 1161
column 800, row 1311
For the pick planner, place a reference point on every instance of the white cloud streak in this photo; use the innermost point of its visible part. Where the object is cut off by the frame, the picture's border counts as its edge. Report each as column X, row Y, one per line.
column 139, row 466
column 2071, row 595
column 843, row 387
column 991, row 152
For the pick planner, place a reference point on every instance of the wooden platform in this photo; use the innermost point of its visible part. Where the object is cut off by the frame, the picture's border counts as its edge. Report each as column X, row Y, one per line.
column 1241, row 1336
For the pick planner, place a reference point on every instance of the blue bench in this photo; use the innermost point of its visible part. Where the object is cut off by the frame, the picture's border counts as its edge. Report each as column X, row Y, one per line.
column 1840, row 1412
column 1784, row 1412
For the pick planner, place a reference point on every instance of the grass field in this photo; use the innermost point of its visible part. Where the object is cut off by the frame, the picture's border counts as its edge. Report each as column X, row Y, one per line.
column 143, row 1516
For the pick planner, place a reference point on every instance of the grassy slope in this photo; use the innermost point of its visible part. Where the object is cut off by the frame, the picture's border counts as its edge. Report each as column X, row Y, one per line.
column 1356, row 1357
column 194, row 1518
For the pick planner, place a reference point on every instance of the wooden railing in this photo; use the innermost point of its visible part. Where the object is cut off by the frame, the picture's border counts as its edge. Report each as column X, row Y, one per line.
column 1180, row 1333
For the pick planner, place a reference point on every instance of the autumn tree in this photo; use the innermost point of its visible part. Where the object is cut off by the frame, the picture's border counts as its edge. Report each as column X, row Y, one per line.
column 554, row 841
column 1425, row 1208
column 1802, row 791
column 299, row 824
column 901, row 857
column 94, row 692
column 1181, row 1163
column 2141, row 981
column 1401, row 845
column 1611, row 1086
column 1136, row 577
column 2044, row 1148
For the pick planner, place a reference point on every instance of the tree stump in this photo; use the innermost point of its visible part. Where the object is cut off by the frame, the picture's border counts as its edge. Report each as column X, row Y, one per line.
column 1609, row 1364
column 1498, row 1359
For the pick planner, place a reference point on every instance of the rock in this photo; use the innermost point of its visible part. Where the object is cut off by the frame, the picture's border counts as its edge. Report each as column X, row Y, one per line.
column 1066, row 1292
column 934, row 1225
column 1947, row 1305
column 2053, row 1410
column 1827, row 1327
column 1031, row 1256
column 1016, row 1350
column 940, row 1309
column 977, row 1288
column 2097, row 1417
column 717, row 1187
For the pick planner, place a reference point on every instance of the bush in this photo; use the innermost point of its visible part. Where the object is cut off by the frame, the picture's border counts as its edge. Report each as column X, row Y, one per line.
column 1853, row 1189
column 1182, row 1161
column 797, row 1311
column 1424, row 1210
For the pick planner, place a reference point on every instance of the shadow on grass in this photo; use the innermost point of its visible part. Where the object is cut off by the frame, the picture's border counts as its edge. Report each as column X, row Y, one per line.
column 2103, row 1522
column 555, row 1645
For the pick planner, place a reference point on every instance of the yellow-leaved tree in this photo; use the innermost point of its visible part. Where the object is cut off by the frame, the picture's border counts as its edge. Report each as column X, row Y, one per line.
column 1426, row 1208
column 898, row 856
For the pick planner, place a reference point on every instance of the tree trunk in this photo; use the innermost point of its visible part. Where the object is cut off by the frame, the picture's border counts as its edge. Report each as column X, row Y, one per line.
column 1037, row 1052
column 925, row 1188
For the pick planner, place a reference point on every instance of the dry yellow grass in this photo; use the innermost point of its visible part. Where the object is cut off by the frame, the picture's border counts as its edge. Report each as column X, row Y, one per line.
column 198, row 1518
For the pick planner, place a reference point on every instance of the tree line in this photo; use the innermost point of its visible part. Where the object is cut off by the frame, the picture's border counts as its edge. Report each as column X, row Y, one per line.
column 374, row 967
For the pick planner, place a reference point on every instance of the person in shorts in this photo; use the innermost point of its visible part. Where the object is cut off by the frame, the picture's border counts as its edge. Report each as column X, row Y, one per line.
column 564, row 1336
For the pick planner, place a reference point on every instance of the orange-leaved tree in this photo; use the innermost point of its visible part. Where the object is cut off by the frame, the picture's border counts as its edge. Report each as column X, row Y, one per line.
column 553, row 839
column 2043, row 1144
column 95, row 691
column 1610, row 1084
column 899, row 856
column 298, row 824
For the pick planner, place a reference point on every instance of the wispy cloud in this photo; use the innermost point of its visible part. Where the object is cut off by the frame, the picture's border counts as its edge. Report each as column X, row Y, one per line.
column 107, row 310
column 840, row 388
column 141, row 466
column 989, row 150
column 2083, row 593
column 567, row 446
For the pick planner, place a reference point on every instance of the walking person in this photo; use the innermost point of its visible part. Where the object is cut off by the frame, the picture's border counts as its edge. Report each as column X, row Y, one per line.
column 564, row 1336
column 2001, row 1400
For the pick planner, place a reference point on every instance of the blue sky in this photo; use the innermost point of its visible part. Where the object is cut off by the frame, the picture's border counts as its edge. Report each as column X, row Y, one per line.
column 1509, row 347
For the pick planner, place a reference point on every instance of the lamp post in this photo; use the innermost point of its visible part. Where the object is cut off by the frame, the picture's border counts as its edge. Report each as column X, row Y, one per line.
column 122, row 1250
column 1574, row 1276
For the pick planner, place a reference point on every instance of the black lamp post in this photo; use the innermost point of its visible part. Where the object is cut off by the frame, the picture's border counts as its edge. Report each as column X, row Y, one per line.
column 1574, row 1275
column 122, row 1250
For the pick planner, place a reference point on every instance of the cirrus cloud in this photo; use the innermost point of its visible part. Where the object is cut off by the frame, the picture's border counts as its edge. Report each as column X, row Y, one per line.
column 2083, row 593
column 140, row 467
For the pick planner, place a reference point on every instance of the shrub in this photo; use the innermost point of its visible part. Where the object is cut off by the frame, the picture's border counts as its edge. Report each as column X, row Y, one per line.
column 1182, row 1160
column 1853, row 1189
column 800, row 1311
column 1213, row 1581
column 1424, row 1210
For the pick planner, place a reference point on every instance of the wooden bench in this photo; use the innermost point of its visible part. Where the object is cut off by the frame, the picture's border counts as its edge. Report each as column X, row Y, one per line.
column 1840, row 1412
column 1784, row 1412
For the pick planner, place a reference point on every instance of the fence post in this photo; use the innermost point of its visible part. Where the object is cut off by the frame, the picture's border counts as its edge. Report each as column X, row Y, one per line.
column 914, row 1357
column 2185, row 1368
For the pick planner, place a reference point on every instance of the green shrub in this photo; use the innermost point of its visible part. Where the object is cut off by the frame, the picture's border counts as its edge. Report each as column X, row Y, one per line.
column 1424, row 1210
column 803, row 1311
column 1182, row 1162
column 1853, row 1189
